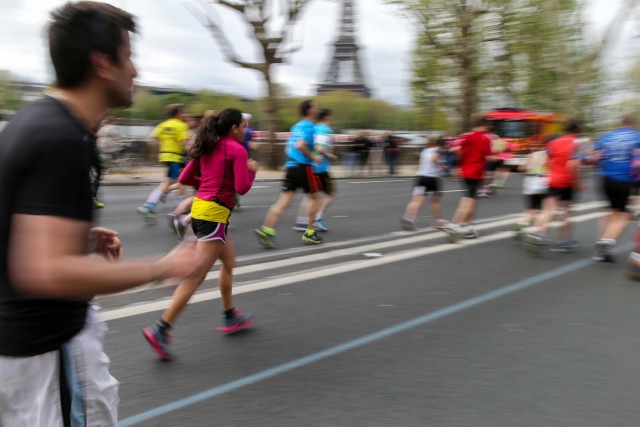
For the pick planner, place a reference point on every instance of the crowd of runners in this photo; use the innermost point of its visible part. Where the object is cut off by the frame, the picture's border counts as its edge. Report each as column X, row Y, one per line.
column 480, row 160
column 50, row 336
column 551, row 182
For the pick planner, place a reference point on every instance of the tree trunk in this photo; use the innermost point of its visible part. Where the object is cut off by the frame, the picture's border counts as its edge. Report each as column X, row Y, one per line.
column 270, row 114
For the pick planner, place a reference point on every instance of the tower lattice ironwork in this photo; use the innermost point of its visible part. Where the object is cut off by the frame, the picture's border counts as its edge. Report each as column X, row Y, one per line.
column 344, row 71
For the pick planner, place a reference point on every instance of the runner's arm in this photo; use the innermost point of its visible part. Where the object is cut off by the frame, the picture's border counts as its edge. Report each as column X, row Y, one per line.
column 189, row 175
column 47, row 259
column 304, row 148
column 244, row 172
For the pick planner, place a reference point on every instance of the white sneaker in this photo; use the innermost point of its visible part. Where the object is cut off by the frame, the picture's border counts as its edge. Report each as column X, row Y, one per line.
column 470, row 233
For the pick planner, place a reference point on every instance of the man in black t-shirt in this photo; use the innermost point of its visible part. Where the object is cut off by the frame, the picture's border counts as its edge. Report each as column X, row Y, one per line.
column 53, row 371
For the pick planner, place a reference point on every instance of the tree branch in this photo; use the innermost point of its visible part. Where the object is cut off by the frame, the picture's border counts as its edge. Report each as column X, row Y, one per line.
column 224, row 43
column 239, row 7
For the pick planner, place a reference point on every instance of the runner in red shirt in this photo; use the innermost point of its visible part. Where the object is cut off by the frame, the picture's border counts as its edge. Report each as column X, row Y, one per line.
column 474, row 148
column 563, row 180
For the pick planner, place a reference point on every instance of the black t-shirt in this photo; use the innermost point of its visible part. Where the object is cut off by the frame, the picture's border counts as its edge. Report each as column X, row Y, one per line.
column 45, row 163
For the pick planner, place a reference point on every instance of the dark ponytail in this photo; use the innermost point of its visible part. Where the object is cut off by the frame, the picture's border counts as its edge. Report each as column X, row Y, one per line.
column 214, row 127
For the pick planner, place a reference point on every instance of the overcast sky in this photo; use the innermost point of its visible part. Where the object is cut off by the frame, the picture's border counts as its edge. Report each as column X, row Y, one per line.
column 174, row 49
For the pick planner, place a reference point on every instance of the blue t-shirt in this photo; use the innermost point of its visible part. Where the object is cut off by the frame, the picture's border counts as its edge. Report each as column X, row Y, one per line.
column 322, row 139
column 247, row 137
column 617, row 149
column 303, row 130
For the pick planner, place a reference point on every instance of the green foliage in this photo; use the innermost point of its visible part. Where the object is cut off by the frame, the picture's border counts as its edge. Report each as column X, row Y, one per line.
column 9, row 99
column 349, row 110
column 473, row 56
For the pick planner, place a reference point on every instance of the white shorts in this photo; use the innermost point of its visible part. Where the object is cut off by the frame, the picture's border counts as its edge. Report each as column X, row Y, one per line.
column 31, row 387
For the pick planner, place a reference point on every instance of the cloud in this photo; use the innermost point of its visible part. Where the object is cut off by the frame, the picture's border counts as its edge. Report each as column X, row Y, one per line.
column 175, row 49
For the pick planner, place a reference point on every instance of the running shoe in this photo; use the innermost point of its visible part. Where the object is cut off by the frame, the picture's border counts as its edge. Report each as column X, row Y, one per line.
column 534, row 243
column 471, row 233
column 604, row 251
column 172, row 226
column 159, row 341
column 146, row 212
column 267, row 240
column 483, row 194
column 453, row 232
column 312, row 239
column 407, row 224
column 320, row 225
column 97, row 203
column 632, row 269
column 518, row 230
column 439, row 223
column 237, row 322
column 175, row 224
column 564, row 246
column 298, row 226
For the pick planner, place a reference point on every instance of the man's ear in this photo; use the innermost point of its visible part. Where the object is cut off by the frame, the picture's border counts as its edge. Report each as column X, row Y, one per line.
column 101, row 65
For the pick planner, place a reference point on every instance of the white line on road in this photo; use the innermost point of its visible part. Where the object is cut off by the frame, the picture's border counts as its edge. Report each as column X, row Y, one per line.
column 346, row 267
column 308, row 256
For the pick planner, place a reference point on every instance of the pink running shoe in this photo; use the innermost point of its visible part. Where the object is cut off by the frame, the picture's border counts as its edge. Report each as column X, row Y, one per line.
column 159, row 341
column 237, row 322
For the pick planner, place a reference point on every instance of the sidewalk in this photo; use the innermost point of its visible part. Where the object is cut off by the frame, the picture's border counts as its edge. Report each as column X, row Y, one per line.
column 154, row 175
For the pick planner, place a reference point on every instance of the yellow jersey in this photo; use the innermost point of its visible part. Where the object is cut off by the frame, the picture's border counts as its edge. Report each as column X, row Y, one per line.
column 172, row 135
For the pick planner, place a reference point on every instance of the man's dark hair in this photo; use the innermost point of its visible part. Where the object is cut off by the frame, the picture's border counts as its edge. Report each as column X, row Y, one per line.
column 323, row 114
column 79, row 28
column 174, row 109
column 573, row 126
column 480, row 120
column 628, row 120
column 305, row 106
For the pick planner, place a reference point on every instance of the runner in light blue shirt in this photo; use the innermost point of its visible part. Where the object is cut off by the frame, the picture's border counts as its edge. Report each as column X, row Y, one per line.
column 301, row 131
column 323, row 148
column 299, row 174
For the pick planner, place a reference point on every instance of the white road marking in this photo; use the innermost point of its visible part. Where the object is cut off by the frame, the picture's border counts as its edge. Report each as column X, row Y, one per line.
column 301, row 256
column 307, row 275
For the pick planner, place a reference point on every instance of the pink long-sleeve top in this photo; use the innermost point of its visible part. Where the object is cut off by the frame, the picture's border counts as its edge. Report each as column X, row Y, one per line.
column 222, row 172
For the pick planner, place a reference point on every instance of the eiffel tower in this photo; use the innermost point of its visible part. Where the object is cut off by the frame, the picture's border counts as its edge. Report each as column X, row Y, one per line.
column 344, row 71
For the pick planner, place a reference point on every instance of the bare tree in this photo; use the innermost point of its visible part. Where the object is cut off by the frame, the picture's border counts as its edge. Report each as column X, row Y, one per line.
column 272, row 22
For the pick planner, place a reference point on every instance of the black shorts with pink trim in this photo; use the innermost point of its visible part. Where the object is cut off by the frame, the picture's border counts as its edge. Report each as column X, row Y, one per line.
column 208, row 231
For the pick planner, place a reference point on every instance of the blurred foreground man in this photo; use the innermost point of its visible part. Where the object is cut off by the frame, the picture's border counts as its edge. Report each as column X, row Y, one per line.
column 53, row 371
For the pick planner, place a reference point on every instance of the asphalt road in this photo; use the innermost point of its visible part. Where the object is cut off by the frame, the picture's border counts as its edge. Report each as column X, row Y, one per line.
column 381, row 327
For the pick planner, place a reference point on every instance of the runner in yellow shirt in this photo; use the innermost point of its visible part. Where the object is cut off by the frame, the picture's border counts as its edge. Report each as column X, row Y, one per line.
column 172, row 134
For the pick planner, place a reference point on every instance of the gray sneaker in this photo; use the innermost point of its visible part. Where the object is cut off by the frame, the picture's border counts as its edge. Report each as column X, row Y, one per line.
column 534, row 243
column 604, row 251
column 407, row 224
column 564, row 246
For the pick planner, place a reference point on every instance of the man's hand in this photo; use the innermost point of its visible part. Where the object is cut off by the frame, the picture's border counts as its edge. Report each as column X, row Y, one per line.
column 252, row 165
column 107, row 244
column 180, row 262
